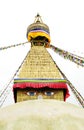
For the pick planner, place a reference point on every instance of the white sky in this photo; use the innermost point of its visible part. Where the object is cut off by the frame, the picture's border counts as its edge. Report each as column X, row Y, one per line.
column 65, row 19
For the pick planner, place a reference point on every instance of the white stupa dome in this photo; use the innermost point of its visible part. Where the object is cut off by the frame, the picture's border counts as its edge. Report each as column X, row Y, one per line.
column 42, row 115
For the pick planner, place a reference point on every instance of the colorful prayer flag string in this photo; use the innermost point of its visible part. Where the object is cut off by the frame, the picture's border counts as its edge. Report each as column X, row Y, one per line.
column 3, row 48
column 67, row 55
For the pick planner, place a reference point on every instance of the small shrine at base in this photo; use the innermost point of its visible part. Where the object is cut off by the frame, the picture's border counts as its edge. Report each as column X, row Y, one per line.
column 39, row 77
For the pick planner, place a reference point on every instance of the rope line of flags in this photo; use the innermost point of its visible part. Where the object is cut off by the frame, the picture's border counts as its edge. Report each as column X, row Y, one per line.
column 67, row 55
column 7, row 89
column 74, row 90
column 7, row 47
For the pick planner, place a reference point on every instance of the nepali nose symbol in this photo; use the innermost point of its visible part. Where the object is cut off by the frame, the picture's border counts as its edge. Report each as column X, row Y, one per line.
column 40, row 97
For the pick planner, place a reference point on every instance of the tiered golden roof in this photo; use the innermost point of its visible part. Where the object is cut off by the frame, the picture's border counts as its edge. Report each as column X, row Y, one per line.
column 39, row 64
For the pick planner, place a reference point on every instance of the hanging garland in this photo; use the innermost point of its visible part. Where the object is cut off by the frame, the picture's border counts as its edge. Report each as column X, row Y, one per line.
column 67, row 55
column 74, row 90
column 5, row 92
column 3, row 48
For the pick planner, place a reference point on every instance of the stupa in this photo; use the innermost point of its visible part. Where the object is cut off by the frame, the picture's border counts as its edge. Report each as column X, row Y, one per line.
column 39, row 77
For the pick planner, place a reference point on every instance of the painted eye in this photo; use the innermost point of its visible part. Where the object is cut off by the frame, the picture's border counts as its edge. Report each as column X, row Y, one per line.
column 49, row 93
column 31, row 93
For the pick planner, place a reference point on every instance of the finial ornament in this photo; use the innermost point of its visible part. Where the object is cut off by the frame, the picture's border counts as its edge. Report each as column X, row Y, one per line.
column 38, row 19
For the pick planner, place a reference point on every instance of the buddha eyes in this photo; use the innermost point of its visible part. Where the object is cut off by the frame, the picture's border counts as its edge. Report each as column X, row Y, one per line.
column 49, row 93
column 45, row 93
column 31, row 93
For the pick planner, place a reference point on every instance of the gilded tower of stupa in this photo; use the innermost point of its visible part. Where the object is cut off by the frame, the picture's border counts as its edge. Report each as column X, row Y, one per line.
column 39, row 78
